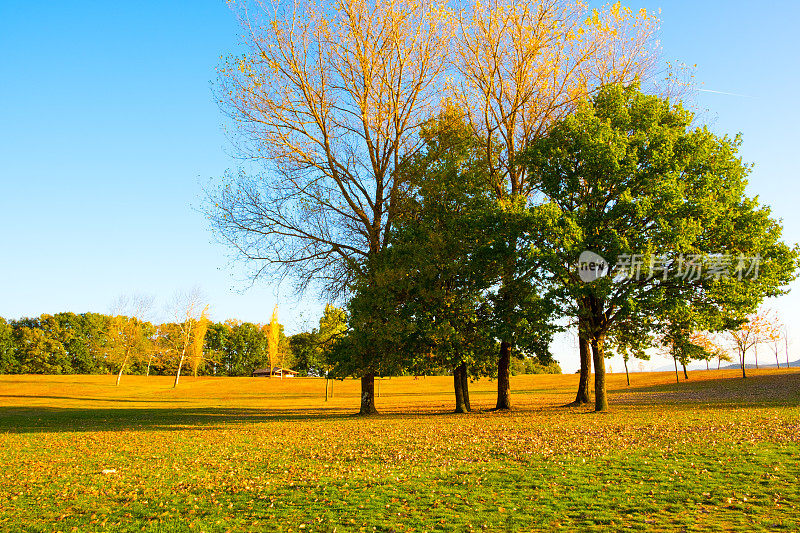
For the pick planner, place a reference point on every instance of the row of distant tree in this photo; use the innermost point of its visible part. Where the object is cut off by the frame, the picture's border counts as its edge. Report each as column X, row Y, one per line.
column 93, row 343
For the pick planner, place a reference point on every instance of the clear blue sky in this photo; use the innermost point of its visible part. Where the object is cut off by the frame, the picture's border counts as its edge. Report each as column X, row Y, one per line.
column 109, row 129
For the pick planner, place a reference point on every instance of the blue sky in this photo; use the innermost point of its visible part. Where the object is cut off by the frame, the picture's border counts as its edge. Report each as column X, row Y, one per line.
column 109, row 129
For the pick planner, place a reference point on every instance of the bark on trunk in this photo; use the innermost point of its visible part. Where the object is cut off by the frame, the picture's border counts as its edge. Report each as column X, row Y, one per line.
column 600, row 398
column 741, row 361
column 122, row 369
column 627, row 376
column 755, row 350
column 504, row 377
column 685, row 374
column 677, row 376
column 178, row 374
column 368, row 395
column 584, row 347
column 458, row 385
column 465, row 386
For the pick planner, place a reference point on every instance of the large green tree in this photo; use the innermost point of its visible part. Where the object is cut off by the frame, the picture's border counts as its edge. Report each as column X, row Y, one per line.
column 628, row 177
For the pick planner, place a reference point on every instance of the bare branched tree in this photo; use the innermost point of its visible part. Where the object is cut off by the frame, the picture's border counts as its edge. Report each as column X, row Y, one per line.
column 329, row 98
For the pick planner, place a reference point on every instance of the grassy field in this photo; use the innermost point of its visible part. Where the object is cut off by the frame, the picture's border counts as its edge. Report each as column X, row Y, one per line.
column 253, row 454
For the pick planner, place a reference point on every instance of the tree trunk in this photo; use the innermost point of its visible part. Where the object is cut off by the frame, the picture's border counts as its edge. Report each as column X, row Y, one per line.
column 368, row 394
column 458, row 385
column 707, row 365
column 755, row 350
column 741, row 360
column 627, row 376
column 600, row 399
column 465, row 386
column 122, row 369
column 504, row 377
column 584, row 347
column 777, row 361
column 677, row 376
column 326, row 388
column 786, row 345
column 685, row 374
column 178, row 373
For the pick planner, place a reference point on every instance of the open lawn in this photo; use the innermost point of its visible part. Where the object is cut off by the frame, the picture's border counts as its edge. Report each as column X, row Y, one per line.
column 254, row 454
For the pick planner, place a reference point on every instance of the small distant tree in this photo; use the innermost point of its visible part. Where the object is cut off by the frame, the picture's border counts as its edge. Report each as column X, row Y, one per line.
column 189, row 329
column 710, row 347
column 273, row 338
column 332, row 328
column 759, row 327
column 128, row 336
column 630, row 339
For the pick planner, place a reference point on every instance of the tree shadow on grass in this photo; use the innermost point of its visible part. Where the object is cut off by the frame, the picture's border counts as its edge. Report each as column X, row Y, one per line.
column 759, row 390
column 56, row 420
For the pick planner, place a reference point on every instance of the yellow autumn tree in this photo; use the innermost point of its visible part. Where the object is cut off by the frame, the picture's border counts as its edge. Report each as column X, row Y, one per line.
column 186, row 334
column 196, row 354
column 760, row 327
column 127, row 336
column 330, row 97
column 273, row 339
column 710, row 347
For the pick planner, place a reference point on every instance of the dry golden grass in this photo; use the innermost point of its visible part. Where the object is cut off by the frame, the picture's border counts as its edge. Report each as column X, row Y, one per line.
column 396, row 395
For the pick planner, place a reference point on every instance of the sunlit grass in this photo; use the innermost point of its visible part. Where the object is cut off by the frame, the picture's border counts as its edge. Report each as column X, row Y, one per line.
column 218, row 454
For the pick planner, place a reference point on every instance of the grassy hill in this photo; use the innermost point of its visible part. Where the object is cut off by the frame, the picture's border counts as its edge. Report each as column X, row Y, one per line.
column 254, row 454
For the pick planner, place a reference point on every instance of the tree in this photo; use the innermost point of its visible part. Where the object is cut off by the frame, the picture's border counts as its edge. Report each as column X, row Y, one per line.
column 435, row 277
column 630, row 338
column 710, row 347
column 522, row 66
column 332, row 328
column 273, row 338
column 330, row 100
column 186, row 336
column 778, row 339
column 8, row 359
column 758, row 327
column 127, row 337
column 627, row 179
column 305, row 353
column 38, row 353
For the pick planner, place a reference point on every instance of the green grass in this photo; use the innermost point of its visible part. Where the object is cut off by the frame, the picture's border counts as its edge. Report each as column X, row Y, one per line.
column 715, row 453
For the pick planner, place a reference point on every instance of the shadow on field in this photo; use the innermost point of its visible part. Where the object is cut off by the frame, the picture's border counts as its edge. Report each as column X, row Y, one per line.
column 760, row 390
column 87, row 399
column 51, row 419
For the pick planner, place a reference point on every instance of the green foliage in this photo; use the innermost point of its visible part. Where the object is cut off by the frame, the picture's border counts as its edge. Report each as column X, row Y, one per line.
column 37, row 353
column 628, row 176
column 532, row 365
column 8, row 359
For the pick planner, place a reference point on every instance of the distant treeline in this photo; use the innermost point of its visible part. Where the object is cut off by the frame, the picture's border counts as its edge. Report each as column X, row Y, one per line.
column 89, row 343
column 69, row 343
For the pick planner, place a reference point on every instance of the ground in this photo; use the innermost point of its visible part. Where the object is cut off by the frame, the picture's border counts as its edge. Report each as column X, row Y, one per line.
column 258, row 454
